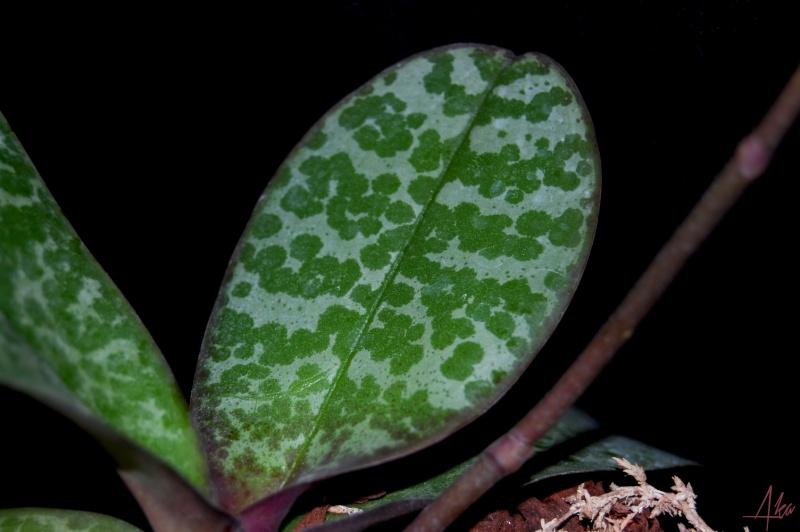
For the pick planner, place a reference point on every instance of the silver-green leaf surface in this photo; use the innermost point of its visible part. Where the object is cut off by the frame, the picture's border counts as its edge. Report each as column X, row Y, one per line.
column 406, row 263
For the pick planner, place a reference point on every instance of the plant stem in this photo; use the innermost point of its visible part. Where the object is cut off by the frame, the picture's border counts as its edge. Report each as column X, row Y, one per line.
column 507, row 454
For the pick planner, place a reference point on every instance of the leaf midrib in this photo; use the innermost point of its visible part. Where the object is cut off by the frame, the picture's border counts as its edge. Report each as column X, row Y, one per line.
column 388, row 280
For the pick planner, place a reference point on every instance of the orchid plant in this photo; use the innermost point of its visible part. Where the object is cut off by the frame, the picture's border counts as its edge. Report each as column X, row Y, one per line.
column 400, row 272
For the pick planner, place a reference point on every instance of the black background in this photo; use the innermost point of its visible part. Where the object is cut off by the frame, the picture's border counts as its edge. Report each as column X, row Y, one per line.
column 157, row 131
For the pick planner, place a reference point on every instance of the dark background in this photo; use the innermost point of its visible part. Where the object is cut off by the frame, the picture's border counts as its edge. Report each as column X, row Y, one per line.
column 157, row 131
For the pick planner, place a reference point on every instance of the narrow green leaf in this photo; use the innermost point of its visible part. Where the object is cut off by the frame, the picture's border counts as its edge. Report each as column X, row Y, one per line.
column 45, row 520
column 596, row 456
column 573, row 423
column 68, row 337
column 405, row 264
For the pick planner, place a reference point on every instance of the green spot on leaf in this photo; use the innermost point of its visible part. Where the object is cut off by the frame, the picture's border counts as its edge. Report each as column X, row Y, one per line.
column 501, row 324
column 399, row 294
column 241, row 289
column 390, row 132
column 566, row 228
column 459, row 367
column 305, row 247
column 317, row 140
column 421, row 189
column 534, row 223
column 427, row 155
column 300, row 202
column 266, row 225
column 386, row 184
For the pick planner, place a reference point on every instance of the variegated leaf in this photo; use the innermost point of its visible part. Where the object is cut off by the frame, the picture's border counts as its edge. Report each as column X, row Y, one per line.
column 406, row 263
column 67, row 335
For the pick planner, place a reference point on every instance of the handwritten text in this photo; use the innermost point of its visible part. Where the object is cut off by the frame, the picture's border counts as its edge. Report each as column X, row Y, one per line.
column 777, row 511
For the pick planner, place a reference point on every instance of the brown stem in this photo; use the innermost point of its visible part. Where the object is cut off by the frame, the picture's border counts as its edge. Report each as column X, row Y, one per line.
column 507, row 454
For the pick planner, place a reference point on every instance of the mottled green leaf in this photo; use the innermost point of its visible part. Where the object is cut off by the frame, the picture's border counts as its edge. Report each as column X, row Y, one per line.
column 408, row 260
column 68, row 337
column 47, row 520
